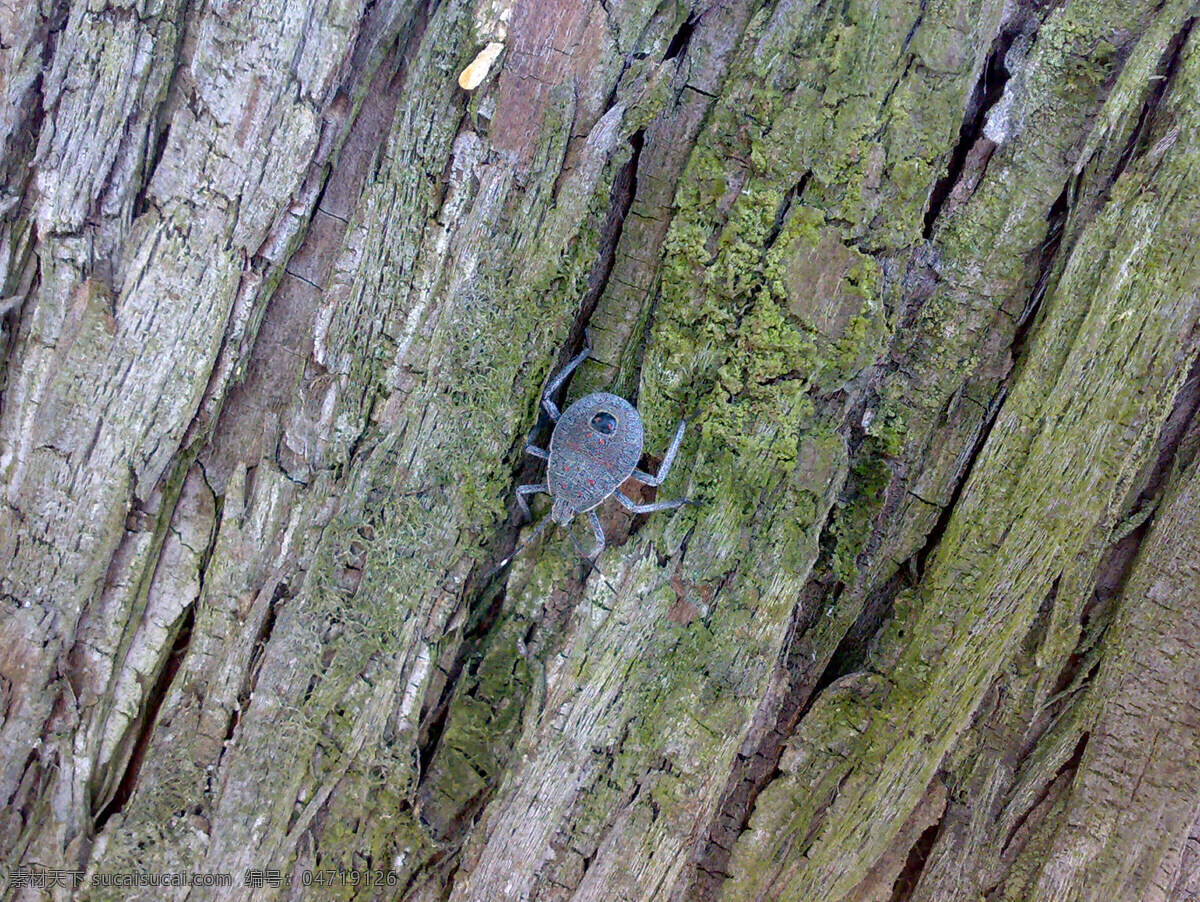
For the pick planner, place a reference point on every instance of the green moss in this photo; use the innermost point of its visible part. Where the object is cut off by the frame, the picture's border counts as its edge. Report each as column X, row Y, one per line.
column 889, row 428
column 368, row 826
column 854, row 517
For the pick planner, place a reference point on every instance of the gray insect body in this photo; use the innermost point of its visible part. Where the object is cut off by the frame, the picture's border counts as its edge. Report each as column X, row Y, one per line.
column 595, row 446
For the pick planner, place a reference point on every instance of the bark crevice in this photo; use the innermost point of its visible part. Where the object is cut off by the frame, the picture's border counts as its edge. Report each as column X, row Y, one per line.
column 758, row 763
column 1062, row 776
column 678, row 44
column 988, row 90
column 127, row 783
column 1164, row 78
column 914, row 863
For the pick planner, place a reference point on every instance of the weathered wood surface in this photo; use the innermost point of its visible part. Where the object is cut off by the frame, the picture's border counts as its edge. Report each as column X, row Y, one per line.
column 279, row 298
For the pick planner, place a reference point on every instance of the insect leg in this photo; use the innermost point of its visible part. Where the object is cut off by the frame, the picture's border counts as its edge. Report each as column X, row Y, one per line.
column 536, row 451
column 595, row 551
column 650, row 508
column 665, row 467
column 598, row 532
column 557, row 381
column 523, row 490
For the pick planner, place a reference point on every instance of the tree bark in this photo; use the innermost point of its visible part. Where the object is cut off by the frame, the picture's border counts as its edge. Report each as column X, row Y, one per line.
column 279, row 301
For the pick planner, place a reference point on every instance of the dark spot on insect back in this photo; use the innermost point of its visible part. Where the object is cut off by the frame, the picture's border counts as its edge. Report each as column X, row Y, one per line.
column 604, row 423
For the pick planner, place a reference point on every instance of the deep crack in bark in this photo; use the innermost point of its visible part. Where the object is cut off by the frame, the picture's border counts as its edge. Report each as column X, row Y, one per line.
column 154, row 699
column 987, row 93
column 914, row 863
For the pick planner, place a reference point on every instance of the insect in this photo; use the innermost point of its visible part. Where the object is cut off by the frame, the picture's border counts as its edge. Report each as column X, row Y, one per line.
column 594, row 447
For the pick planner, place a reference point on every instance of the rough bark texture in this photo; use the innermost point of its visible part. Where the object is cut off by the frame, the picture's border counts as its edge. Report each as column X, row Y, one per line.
column 279, row 299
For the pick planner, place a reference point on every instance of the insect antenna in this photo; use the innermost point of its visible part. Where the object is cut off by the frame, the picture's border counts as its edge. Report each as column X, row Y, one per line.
column 508, row 560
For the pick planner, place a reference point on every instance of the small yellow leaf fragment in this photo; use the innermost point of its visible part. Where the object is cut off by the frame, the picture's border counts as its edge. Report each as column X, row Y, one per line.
column 472, row 76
